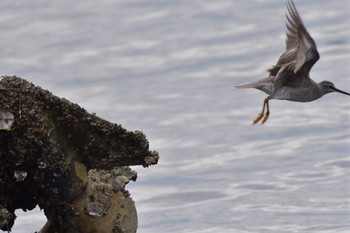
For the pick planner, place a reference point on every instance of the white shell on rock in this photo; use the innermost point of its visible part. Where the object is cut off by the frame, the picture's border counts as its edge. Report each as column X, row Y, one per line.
column 6, row 119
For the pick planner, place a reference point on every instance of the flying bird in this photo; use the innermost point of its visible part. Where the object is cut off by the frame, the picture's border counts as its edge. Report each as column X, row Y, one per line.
column 289, row 79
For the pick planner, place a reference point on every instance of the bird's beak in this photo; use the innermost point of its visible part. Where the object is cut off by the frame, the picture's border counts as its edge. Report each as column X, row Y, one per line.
column 340, row 91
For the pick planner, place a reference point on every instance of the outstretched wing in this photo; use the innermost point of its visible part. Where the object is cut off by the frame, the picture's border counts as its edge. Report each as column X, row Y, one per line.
column 299, row 39
column 293, row 22
column 300, row 47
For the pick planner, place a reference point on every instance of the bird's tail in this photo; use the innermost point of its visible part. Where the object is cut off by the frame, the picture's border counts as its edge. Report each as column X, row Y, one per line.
column 255, row 84
column 246, row 85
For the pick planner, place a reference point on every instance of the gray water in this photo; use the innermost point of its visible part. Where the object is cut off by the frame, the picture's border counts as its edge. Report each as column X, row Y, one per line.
column 169, row 68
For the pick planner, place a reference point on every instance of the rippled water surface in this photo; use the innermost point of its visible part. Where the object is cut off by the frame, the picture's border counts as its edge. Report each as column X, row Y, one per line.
column 169, row 68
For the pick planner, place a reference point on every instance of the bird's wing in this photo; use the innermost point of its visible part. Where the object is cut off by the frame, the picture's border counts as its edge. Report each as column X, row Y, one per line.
column 292, row 24
column 299, row 40
column 300, row 46
column 285, row 75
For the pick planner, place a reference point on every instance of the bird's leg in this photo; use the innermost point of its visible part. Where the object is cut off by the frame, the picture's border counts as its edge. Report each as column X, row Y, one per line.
column 261, row 115
column 258, row 118
column 266, row 102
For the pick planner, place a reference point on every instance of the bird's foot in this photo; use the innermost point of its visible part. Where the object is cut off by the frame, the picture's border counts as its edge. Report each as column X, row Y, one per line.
column 265, row 117
column 258, row 118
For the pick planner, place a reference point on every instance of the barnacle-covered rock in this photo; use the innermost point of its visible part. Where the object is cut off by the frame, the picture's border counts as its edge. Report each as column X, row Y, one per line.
column 69, row 162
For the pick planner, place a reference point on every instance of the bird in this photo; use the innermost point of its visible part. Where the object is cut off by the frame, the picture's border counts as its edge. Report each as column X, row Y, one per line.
column 289, row 79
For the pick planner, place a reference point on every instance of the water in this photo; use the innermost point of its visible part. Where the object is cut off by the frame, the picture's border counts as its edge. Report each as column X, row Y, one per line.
column 169, row 68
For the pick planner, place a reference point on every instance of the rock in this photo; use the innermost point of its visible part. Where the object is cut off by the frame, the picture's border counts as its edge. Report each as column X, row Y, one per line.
column 71, row 163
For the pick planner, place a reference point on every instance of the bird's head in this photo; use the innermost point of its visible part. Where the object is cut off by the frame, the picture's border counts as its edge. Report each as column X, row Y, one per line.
column 328, row 87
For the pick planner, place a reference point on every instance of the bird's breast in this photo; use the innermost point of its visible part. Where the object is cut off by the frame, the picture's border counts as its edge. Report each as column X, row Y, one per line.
column 299, row 94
